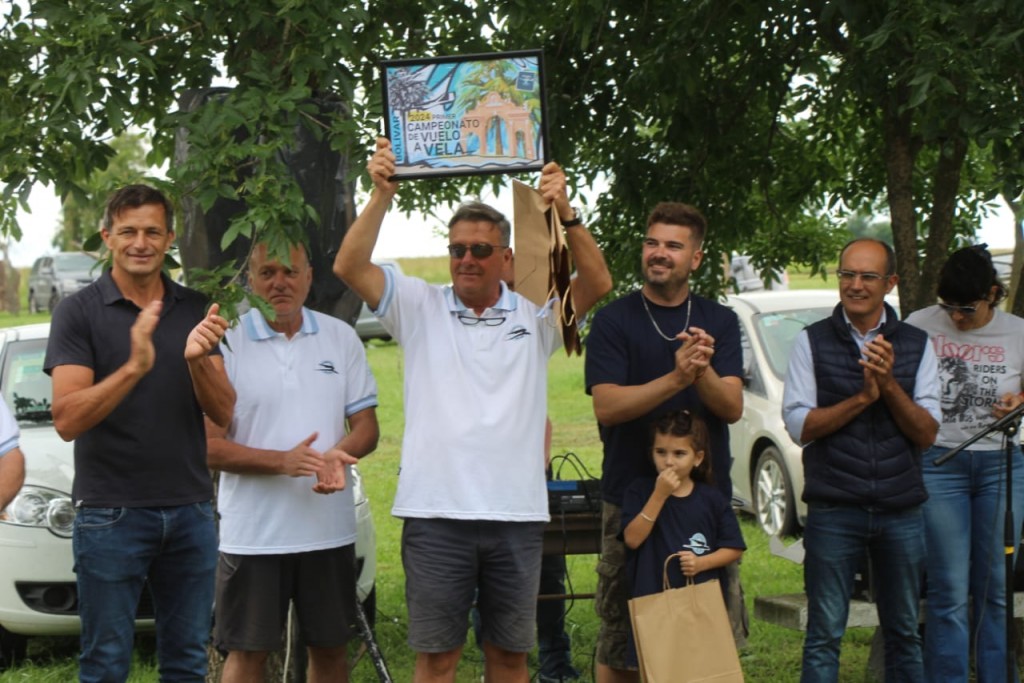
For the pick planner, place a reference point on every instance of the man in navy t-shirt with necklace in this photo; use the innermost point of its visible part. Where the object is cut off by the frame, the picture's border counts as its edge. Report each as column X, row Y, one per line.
column 652, row 351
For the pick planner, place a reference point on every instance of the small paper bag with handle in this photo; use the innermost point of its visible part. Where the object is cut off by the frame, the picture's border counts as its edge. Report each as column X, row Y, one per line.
column 683, row 635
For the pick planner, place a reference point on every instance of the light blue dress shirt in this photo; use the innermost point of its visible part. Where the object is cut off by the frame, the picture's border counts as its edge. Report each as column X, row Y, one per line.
column 800, row 394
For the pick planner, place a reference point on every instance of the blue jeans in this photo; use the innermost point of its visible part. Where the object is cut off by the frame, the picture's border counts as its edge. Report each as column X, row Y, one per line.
column 964, row 518
column 836, row 539
column 116, row 550
column 554, row 650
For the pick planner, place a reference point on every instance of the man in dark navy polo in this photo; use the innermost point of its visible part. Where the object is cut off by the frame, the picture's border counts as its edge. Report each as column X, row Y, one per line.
column 135, row 364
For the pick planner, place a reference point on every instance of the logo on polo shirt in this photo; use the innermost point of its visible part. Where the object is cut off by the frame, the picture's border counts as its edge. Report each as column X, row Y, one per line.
column 698, row 544
column 517, row 332
column 326, row 367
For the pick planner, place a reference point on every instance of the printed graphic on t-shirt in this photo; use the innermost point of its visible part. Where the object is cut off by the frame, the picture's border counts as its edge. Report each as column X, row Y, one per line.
column 970, row 375
column 698, row 544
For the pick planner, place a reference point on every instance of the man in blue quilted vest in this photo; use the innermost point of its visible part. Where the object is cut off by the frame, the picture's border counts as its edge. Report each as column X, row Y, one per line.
column 862, row 397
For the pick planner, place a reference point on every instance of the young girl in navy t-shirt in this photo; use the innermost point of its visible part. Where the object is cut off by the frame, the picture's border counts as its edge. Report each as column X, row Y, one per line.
column 679, row 511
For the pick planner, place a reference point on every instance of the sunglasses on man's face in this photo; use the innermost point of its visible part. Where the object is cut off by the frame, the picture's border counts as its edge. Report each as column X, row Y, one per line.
column 962, row 310
column 479, row 251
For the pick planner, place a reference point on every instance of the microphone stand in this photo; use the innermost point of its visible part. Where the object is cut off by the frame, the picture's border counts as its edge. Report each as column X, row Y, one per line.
column 1008, row 424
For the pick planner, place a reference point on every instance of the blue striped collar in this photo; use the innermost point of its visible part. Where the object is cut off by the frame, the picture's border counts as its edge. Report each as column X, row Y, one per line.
column 258, row 329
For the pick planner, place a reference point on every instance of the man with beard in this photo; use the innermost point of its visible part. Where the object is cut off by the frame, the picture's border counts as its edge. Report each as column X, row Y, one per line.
column 658, row 349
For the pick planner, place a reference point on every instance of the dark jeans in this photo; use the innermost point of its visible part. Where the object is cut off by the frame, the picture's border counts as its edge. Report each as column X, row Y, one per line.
column 836, row 538
column 116, row 550
column 554, row 650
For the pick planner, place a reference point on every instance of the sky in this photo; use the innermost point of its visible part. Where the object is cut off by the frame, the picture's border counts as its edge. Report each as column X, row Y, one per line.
column 400, row 236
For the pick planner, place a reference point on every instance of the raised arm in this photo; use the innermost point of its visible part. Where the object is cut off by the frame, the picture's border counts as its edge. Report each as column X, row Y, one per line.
column 210, row 382
column 593, row 280
column 79, row 405
column 353, row 263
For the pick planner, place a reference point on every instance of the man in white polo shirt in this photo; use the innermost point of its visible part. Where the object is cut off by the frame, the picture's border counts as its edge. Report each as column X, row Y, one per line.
column 305, row 412
column 471, row 487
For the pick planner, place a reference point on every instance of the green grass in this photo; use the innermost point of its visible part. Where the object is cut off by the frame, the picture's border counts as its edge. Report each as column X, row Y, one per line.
column 431, row 268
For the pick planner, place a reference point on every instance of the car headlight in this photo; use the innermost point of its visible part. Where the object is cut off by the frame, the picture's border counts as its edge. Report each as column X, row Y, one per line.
column 38, row 506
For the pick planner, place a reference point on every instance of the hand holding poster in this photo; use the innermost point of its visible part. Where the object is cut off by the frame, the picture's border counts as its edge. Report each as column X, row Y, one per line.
column 466, row 115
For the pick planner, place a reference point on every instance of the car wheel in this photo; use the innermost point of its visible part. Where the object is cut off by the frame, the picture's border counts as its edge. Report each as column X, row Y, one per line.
column 13, row 648
column 773, row 494
column 33, row 305
column 53, row 301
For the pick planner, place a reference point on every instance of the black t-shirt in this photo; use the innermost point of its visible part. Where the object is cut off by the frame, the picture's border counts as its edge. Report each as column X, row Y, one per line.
column 150, row 451
column 701, row 522
column 623, row 348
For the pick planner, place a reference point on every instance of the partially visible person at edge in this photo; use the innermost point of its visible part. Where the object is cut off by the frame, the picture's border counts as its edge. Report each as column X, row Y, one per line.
column 981, row 371
column 554, row 646
column 471, row 486
column 12, row 461
column 678, row 512
column 656, row 350
column 135, row 363
column 861, row 396
column 306, row 411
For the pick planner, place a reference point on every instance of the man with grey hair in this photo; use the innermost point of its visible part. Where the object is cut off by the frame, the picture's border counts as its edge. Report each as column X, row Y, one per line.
column 471, row 487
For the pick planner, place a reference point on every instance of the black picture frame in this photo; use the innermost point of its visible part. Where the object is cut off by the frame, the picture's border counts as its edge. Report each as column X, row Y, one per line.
column 467, row 115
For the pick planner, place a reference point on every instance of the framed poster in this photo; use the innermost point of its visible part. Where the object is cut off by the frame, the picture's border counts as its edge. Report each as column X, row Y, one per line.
column 469, row 115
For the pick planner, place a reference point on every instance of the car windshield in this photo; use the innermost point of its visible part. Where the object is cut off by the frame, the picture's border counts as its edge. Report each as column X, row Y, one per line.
column 778, row 331
column 74, row 261
column 26, row 388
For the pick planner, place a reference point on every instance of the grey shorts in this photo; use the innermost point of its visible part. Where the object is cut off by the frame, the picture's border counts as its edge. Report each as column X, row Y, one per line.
column 611, row 598
column 253, row 592
column 446, row 561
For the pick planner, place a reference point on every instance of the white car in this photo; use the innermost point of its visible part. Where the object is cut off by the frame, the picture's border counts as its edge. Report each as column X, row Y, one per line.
column 38, row 594
column 767, row 473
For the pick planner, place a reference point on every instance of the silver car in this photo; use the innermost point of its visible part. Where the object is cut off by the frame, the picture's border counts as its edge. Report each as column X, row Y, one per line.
column 38, row 594
column 59, row 275
column 767, row 473
column 767, row 470
column 367, row 325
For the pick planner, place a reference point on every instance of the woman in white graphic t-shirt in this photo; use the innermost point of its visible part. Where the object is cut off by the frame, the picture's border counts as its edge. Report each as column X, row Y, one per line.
column 981, row 359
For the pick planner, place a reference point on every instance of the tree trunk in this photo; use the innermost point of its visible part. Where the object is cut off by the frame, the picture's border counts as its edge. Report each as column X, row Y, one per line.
column 945, row 189
column 899, row 168
column 1015, row 287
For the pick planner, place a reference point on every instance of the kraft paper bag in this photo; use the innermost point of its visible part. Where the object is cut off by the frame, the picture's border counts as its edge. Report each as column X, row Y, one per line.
column 683, row 635
column 543, row 265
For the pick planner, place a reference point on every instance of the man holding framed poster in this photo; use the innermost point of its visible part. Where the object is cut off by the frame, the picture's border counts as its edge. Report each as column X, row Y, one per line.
column 471, row 486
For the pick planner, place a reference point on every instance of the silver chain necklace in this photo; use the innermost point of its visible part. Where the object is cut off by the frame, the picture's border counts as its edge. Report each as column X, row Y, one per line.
column 686, row 326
